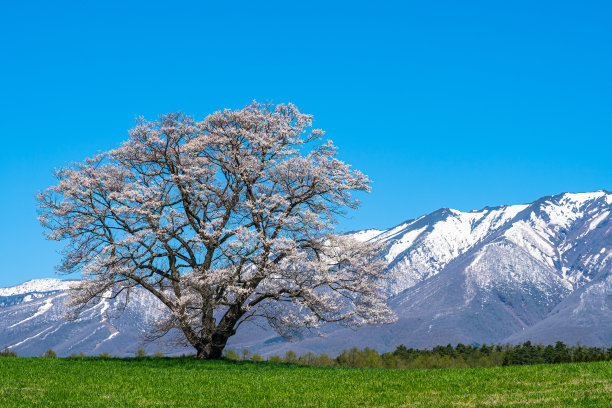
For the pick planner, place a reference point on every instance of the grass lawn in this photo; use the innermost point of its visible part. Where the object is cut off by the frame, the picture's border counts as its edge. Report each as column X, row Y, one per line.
column 96, row 382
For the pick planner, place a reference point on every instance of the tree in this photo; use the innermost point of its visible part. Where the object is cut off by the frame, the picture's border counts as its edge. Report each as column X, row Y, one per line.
column 290, row 357
column 7, row 352
column 223, row 220
column 231, row 355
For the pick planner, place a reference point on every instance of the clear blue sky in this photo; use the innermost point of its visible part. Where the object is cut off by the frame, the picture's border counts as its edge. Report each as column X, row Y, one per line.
column 444, row 104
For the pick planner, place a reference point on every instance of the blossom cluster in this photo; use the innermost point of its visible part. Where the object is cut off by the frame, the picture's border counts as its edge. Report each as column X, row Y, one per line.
column 223, row 220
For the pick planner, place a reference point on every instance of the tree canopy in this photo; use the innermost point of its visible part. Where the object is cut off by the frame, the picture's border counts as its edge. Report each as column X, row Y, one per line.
column 223, row 220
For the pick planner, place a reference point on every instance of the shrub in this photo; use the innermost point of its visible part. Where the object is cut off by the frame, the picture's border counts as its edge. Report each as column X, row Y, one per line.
column 50, row 354
column 7, row 352
column 140, row 353
column 325, row 361
column 275, row 359
column 231, row 355
column 290, row 357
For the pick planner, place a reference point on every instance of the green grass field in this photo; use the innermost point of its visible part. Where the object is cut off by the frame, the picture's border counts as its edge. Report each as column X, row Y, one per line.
column 94, row 382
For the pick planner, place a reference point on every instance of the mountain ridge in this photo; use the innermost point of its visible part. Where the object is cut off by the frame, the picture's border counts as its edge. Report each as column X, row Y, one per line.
column 503, row 273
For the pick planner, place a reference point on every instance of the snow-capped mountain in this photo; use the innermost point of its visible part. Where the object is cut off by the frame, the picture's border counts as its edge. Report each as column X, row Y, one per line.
column 36, row 286
column 538, row 271
column 31, row 290
column 564, row 232
column 32, row 320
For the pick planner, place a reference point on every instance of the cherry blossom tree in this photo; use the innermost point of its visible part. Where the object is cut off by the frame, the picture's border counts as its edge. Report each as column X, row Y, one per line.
column 224, row 220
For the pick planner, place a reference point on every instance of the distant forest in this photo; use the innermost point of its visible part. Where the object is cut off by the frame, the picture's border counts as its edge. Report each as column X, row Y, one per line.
column 448, row 356
column 444, row 356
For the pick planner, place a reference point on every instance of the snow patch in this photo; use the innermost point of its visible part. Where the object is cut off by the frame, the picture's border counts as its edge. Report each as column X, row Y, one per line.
column 37, row 285
column 30, row 338
column 598, row 220
column 365, row 235
column 404, row 243
column 41, row 310
column 582, row 197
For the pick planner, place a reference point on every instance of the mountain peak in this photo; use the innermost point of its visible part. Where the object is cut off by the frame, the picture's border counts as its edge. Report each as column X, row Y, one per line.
column 37, row 286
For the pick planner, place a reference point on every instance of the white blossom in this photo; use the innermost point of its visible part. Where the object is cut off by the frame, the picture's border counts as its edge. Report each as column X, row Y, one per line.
column 224, row 220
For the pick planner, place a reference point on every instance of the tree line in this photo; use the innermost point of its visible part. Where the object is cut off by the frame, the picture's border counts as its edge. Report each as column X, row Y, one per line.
column 459, row 356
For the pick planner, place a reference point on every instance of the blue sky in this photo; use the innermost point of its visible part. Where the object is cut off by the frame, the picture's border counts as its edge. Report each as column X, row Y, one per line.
column 444, row 104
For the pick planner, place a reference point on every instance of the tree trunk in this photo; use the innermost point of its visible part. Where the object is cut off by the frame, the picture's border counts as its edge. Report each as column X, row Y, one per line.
column 212, row 349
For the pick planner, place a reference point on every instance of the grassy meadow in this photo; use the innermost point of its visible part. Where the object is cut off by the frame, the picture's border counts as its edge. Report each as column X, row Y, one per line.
column 184, row 382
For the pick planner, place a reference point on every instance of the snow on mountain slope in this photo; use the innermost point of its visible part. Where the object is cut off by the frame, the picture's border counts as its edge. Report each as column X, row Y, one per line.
column 35, row 324
column 31, row 290
column 423, row 247
column 482, row 276
column 548, row 230
column 538, row 271
column 36, row 286
column 585, row 317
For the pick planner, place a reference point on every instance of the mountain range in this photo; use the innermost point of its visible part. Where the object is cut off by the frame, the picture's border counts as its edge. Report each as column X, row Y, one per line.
column 540, row 271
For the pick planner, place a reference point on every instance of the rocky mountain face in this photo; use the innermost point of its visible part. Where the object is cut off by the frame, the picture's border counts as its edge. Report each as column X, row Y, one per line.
column 540, row 271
